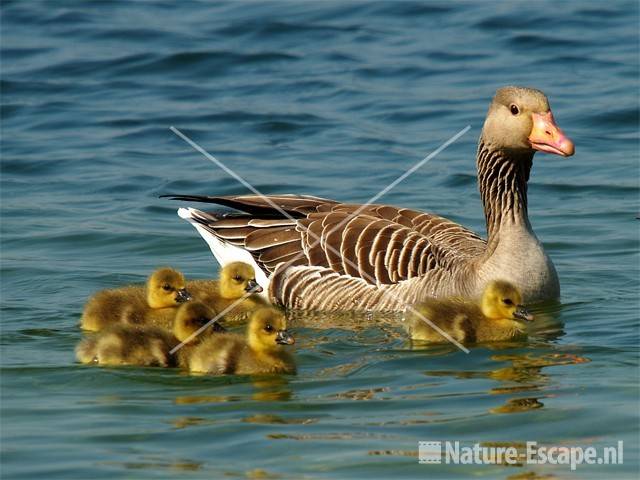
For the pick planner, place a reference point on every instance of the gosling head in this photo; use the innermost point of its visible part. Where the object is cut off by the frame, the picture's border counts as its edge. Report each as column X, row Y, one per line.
column 166, row 288
column 268, row 330
column 520, row 119
column 190, row 318
column 501, row 300
column 238, row 279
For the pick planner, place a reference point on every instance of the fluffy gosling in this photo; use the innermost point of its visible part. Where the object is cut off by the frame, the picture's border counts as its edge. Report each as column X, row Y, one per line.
column 237, row 279
column 149, row 345
column 261, row 351
column 155, row 303
column 498, row 317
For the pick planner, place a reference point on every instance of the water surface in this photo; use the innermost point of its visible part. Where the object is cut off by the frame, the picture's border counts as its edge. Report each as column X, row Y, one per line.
column 337, row 100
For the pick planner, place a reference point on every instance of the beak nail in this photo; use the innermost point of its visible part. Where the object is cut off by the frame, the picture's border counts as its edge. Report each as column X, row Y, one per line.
column 522, row 313
column 253, row 287
column 284, row 338
column 182, row 296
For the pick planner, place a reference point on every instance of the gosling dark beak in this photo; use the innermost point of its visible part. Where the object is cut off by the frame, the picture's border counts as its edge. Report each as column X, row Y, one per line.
column 182, row 296
column 522, row 313
column 216, row 327
column 284, row 338
column 253, row 287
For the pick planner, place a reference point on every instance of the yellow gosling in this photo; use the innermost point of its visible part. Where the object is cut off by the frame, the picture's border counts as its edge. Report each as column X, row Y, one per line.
column 127, row 345
column 237, row 279
column 192, row 326
column 261, row 351
column 155, row 303
column 498, row 317
column 149, row 345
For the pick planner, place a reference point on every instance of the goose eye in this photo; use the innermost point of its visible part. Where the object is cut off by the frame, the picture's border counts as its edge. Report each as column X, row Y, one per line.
column 514, row 109
column 268, row 328
column 166, row 287
column 507, row 301
column 237, row 278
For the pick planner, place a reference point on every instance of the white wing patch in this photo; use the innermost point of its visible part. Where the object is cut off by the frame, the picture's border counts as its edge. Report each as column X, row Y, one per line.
column 226, row 253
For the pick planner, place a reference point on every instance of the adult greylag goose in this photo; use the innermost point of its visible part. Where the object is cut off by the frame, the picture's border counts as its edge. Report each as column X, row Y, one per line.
column 321, row 254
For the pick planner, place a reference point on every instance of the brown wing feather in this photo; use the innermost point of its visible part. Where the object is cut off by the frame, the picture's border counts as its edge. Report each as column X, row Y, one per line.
column 380, row 244
column 331, row 239
column 315, row 256
column 261, row 238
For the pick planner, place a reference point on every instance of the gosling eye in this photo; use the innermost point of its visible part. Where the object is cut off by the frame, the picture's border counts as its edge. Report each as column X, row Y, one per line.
column 237, row 278
column 507, row 301
column 514, row 109
column 268, row 328
column 166, row 287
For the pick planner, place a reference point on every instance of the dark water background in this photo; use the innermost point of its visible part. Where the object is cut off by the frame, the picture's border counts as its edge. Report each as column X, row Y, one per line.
column 336, row 100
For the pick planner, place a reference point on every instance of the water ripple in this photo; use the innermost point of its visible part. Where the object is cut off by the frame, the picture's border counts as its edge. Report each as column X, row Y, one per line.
column 334, row 99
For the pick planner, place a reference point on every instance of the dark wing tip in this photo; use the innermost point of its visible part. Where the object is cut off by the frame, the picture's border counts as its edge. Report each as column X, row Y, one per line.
column 186, row 198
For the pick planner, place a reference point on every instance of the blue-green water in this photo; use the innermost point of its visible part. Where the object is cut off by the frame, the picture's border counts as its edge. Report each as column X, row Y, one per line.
column 335, row 100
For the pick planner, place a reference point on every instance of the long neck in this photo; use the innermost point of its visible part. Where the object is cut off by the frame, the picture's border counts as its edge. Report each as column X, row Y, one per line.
column 502, row 179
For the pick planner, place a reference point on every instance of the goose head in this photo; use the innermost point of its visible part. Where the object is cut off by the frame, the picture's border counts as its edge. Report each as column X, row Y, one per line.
column 238, row 279
column 501, row 300
column 520, row 120
column 190, row 318
column 267, row 331
column 166, row 288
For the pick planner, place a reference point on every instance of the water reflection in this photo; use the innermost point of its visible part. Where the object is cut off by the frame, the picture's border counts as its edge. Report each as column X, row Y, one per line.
column 196, row 399
column 271, row 388
column 518, row 405
column 532, row 476
column 362, row 394
column 523, row 374
column 180, row 465
column 272, row 419
column 266, row 388
column 352, row 321
column 259, row 473
column 547, row 325
column 183, row 422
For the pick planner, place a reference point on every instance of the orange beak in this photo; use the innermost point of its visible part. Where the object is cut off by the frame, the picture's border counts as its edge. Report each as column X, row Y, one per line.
column 546, row 136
